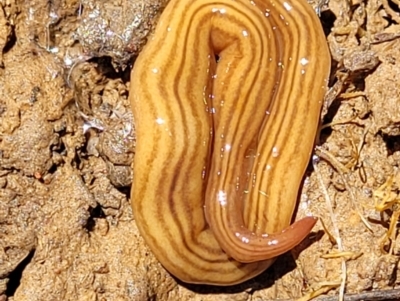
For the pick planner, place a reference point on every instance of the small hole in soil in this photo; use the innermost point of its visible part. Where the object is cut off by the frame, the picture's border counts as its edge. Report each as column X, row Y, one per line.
column 392, row 143
column 327, row 20
column 95, row 212
column 11, row 42
column 52, row 169
column 16, row 275
column 393, row 6
column 105, row 67
column 125, row 190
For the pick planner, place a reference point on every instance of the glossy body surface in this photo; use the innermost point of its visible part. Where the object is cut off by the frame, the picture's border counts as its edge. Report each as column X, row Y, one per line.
column 226, row 97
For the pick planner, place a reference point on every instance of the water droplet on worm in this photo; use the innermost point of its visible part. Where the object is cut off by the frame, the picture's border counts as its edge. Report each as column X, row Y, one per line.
column 275, row 152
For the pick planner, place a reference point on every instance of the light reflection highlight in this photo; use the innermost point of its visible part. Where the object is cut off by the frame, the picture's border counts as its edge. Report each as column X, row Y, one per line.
column 160, row 120
column 222, row 198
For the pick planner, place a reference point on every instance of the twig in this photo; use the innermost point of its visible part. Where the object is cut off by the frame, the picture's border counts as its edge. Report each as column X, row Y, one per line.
column 334, row 225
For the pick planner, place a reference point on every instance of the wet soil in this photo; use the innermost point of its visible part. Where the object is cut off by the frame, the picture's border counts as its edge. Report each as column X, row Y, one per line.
column 67, row 141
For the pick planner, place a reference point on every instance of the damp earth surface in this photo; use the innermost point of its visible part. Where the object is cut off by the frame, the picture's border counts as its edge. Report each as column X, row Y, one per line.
column 67, row 141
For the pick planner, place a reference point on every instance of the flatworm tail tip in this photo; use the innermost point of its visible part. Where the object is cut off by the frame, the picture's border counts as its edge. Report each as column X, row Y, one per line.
column 304, row 226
